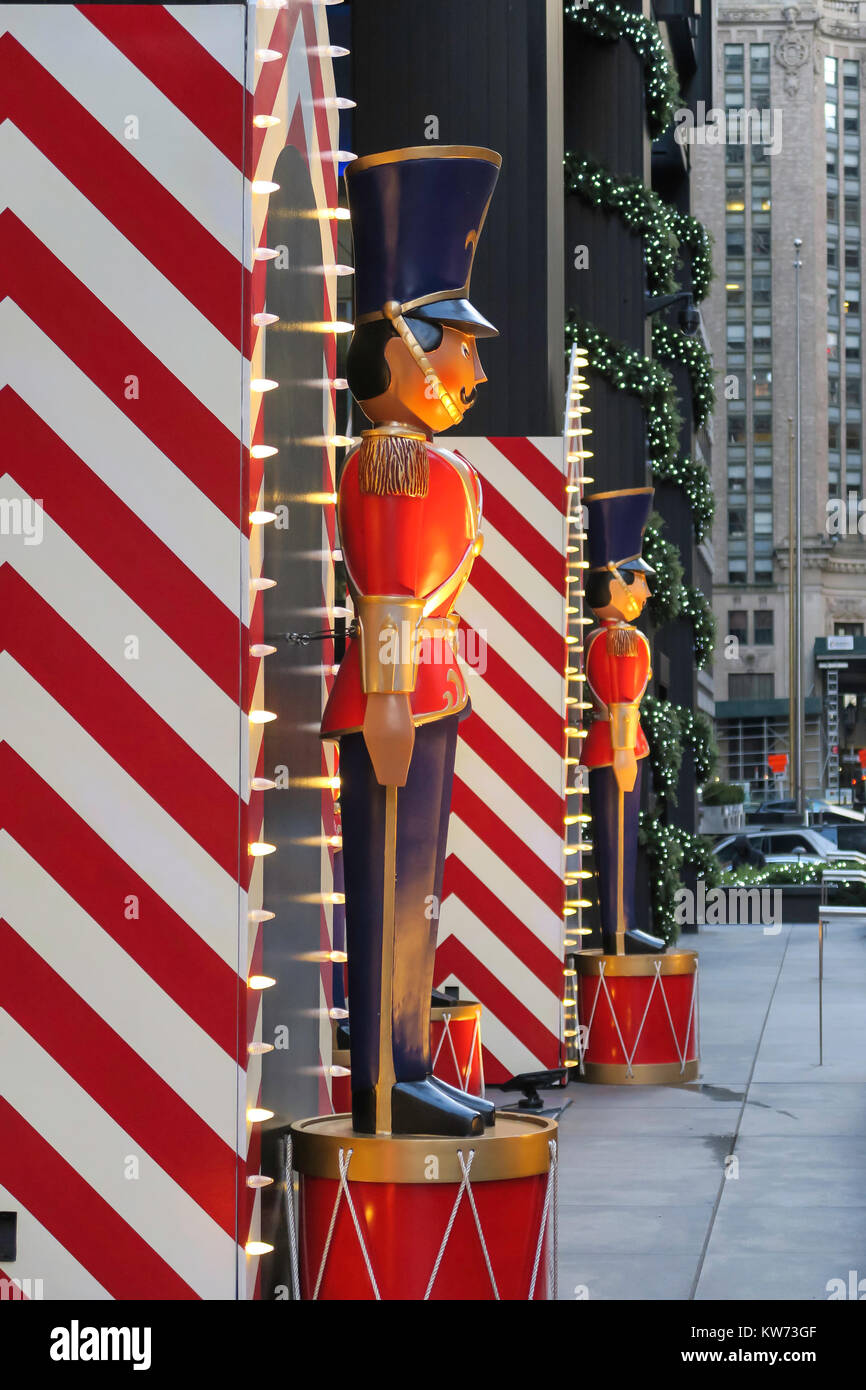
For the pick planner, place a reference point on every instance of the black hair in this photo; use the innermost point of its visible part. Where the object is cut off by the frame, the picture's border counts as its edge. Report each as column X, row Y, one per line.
column 597, row 586
column 367, row 370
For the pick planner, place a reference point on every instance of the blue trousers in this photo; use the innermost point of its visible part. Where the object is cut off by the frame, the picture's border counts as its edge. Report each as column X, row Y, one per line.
column 423, row 807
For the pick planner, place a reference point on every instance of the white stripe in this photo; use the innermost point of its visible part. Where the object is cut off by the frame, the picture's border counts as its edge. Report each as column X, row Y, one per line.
column 123, row 815
column 502, row 1041
column 508, row 643
column 83, row 1134
column 43, row 1260
column 218, row 29
column 110, row 87
column 490, row 869
column 545, row 601
column 459, row 921
column 552, row 447
column 509, row 806
column 505, row 721
column 175, row 688
column 124, row 280
column 117, row 989
column 122, row 456
column 506, row 480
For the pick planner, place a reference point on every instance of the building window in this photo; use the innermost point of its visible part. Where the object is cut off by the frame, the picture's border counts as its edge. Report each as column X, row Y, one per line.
column 736, row 570
column 763, row 627
column 751, row 685
column 763, row 383
column 738, row 625
column 736, row 523
column 851, row 73
column 830, row 69
column 763, row 428
column 761, row 241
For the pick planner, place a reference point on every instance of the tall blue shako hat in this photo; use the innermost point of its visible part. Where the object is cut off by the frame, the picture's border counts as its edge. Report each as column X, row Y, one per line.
column 417, row 215
column 616, row 523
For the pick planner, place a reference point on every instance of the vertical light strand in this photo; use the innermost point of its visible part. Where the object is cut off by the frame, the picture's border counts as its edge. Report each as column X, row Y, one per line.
column 576, row 874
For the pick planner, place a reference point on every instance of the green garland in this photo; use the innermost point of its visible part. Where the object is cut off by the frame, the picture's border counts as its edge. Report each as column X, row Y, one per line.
column 663, row 733
column 695, row 606
column 666, row 587
column 642, row 211
column 664, row 852
column 699, row 736
column 626, row 369
column 694, row 237
column 610, row 22
column 672, row 345
column 668, row 849
column 666, row 231
column 693, row 477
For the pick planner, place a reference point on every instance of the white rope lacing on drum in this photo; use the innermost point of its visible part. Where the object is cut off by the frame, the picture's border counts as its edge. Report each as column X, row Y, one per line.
column 682, row 1052
column 548, row 1192
column 457, row 1200
column 484, row 1251
column 290, row 1219
column 344, row 1158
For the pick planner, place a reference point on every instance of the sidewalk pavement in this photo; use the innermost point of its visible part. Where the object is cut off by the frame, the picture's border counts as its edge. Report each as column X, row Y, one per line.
column 645, row 1208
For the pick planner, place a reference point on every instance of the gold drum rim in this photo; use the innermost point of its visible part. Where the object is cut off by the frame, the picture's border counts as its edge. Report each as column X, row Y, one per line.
column 517, row 1146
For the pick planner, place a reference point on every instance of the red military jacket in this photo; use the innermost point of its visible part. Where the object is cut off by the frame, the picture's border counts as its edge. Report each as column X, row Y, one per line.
column 614, row 677
column 420, row 547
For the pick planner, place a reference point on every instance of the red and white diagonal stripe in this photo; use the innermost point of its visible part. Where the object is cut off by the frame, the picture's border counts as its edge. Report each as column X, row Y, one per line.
column 126, row 239
column 501, row 928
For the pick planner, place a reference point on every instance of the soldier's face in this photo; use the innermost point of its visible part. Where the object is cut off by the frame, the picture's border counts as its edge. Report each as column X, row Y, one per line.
column 458, row 367
column 629, row 599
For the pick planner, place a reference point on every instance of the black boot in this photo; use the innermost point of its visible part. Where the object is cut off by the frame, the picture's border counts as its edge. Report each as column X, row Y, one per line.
column 641, row 943
column 420, row 1107
column 485, row 1108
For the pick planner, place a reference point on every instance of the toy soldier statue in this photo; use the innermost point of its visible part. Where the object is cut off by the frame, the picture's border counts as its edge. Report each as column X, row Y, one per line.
column 617, row 667
column 409, row 514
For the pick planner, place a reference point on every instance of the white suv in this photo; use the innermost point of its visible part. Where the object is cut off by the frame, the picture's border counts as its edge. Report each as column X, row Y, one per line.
column 789, row 844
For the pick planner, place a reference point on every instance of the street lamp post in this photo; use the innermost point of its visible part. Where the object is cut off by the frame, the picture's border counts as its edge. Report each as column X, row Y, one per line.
column 799, row 732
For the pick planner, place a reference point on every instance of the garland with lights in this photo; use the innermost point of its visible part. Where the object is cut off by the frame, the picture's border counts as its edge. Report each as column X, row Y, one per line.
column 642, row 211
column 694, row 237
column 698, row 735
column 673, row 346
column 626, row 369
column 665, row 601
column 695, row 606
column 664, row 851
column 663, row 733
column 693, row 476
column 609, row 22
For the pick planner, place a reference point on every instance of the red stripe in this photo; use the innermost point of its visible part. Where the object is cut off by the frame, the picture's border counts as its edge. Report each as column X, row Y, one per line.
column 82, row 1221
column 484, row 904
column 542, row 799
column 535, row 467
column 514, row 528
column 518, row 693
column 113, row 180
column 521, row 616
column 169, row 414
column 172, row 954
column 181, row 68
column 453, row 958
column 120, row 543
column 120, row 1082
column 508, row 845
column 120, row 721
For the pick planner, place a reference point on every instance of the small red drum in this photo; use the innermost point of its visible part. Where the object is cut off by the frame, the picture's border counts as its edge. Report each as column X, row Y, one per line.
column 638, row 1018
column 395, row 1217
column 455, row 1046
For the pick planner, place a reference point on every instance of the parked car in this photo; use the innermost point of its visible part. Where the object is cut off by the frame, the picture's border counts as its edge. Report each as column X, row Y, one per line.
column 820, row 813
column 784, row 845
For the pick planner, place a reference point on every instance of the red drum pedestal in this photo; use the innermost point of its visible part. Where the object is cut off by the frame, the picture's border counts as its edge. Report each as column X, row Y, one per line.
column 638, row 1018
column 397, row 1217
column 455, row 1045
